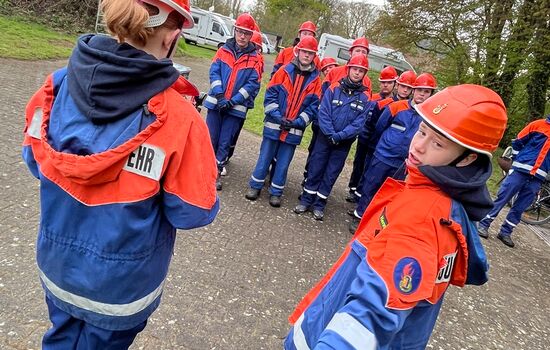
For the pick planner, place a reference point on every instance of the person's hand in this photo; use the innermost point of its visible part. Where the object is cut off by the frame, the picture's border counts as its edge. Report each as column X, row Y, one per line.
column 332, row 141
column 286, row 124
column 223, row 104
column 298, row 123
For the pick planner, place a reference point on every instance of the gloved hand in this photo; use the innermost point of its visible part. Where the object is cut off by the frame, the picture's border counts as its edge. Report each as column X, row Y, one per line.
column 335, row 139
column 286, row 125
column 223, row 104
column 332, row 141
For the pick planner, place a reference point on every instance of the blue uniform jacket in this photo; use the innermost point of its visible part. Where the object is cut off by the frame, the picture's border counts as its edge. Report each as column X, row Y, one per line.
column 530, row 149
column 394, row 131
column 235, row 76
column 292, row 95
column 122, row 163
column 342, row 115
column 376, row 107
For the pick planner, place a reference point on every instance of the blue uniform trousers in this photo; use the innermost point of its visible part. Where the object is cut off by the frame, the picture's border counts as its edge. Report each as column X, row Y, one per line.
column 327, row 162
column 315, row 132
column 234, row 141
column 68, row 332
column 222, row 128
column 526, row 186
column 269, row 150
column 372, row 180
column 362, row 155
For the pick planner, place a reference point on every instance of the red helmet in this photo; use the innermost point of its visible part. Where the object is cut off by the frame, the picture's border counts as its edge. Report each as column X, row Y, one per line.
column 309, row 43
column 309, row 26
column 167, row 6
column 425, row 81
column 327, row 62
column 246, row 22
column 471, row 115
column 360, row 61
column 388, row 74
column 407, row 78
column 257, row 39
column 360, row 42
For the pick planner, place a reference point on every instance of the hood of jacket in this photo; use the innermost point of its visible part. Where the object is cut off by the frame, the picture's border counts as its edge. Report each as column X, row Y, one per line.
column 108, row 80
column 467, row 185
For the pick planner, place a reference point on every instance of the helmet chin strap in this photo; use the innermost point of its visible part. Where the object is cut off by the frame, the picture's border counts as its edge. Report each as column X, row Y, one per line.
column 460, row 158
column 173, row 45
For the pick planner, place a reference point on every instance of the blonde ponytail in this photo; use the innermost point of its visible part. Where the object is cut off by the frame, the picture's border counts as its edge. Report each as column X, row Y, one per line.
column 125, row 19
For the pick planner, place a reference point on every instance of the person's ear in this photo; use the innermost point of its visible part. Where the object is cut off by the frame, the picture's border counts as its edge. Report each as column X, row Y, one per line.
column 470, row 158
column 169, row 38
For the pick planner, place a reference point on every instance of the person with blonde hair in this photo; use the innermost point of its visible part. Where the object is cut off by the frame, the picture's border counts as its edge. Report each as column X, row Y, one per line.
column 123, row 160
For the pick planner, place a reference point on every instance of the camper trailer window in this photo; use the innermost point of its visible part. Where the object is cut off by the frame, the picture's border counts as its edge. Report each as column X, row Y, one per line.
column 343, row 53
column 196, row 20
column 217, row 28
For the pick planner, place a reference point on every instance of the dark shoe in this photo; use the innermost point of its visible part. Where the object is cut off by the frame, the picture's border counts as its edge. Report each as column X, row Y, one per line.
column 354, row 224
column 300, row 209
column 483, row 231
column 351, row 212
column 352, row 198
column 252, row 194
column 219, row 182
column 318, row 215
column 275, row 201
column 506, row 240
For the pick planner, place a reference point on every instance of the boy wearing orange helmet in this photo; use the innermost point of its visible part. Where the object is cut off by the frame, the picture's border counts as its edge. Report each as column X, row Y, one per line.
column 341, row 116
column 417, row 237
column 291, row 103
column 327, row 64
column 286, row 55
column 393, row 133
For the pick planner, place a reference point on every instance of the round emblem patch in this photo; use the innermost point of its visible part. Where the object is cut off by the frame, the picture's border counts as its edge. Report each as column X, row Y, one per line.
column 407, row 275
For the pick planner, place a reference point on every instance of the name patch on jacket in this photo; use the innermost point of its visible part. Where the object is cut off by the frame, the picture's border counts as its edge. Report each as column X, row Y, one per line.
column 446, row 268
column 147, row 160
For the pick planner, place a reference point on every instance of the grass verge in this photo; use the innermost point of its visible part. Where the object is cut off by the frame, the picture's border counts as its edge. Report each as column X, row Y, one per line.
column 21, row 39
column 196, row 51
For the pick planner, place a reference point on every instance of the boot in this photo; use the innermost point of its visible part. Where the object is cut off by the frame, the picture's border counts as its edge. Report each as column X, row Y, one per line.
column 275, row 201
column 351, row 197
column 483, row 231
column 219, row 181
column 252, row 194
column 318, row 215
column 300, row 209
column 507, row 240
column 354, row 224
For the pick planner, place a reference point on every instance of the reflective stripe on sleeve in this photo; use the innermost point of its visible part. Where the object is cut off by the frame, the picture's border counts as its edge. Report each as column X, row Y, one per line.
column 298, row 335
column 398, row 127
column 271, row 107
column 240, row 108
column 243, row 92
column 211, row 99
column 98, row 307
column 305, row 117
column 216, row 83
column 352, row 331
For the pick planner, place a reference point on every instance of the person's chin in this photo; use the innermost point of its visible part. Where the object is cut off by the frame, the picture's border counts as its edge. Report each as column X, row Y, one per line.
column 412, row 161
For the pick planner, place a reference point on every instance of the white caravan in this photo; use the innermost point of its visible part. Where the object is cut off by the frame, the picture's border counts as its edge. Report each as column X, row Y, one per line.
column 209, row 29
column 379, row 57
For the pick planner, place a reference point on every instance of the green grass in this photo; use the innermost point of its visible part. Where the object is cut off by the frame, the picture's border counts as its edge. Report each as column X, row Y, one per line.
column 197, row 51
column 21, row 39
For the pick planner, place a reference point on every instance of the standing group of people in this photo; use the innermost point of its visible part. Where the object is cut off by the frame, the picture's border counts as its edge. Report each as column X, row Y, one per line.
column 124, row 159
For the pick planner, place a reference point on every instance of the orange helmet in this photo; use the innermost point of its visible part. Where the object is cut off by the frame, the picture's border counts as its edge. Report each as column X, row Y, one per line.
column 425, row 81
column 407, row 78
column 309, row 43
column 360, row 61
column 388, row 74
column 309, row 26
column 167, row 6
column 327, row 62
column 473, row 116
column 246, row 22
column 257, row 39
column 360, row 42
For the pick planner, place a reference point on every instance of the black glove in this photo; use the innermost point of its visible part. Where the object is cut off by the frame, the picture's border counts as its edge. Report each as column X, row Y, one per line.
column 332, row 141
column 286, row 125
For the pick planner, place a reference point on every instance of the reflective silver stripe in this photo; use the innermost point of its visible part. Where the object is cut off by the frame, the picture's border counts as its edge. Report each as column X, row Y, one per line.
column 296, row 132
column 216, row 83
column 352, row 331
column 277, row 186
column 398, row 127
column 271, row 125
column 211, row 99
column 36, row 124
column 514, row 151
column 298, row 335
column 240, row 108
column 243, row 92
column 305, row 117
column 509, row 223
column 271, row 107
column 319, row 194
column 257, row 180
column 357, row 194
column 98, row 307
column 337, row 102
column 529, row 167
column 310, row 191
